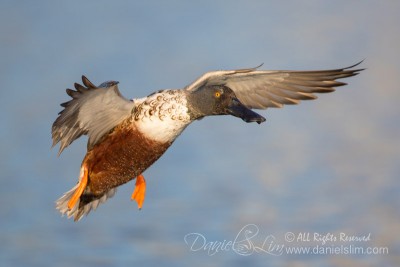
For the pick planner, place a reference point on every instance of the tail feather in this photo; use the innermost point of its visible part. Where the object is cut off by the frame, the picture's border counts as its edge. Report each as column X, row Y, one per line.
column 82, row 207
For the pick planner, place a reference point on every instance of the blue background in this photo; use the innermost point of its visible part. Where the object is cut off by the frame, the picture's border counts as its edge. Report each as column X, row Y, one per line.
column 326, row 166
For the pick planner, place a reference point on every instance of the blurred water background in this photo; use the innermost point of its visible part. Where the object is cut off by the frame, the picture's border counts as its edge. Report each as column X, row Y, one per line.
column 327, row 166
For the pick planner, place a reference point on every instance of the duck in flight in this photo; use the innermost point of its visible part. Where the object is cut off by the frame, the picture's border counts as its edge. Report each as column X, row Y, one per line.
column 128, row 136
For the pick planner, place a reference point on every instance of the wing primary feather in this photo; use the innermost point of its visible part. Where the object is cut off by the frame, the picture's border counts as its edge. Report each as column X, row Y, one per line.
column 88, row 83
column 80, row 88
column 70, row 92
column 246, row 70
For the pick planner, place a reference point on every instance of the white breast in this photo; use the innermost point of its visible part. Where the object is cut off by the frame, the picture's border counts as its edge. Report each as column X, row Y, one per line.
column 162, row 116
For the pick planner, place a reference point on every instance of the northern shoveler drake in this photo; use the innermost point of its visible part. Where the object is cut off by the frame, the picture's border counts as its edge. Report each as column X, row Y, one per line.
column 128, row 136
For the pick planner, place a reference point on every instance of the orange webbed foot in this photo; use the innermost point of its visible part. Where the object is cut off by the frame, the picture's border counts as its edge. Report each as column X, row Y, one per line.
column 83, row 179
column 140, row 191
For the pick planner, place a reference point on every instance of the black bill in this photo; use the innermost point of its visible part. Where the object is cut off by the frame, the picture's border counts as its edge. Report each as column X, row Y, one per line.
column 239, row 110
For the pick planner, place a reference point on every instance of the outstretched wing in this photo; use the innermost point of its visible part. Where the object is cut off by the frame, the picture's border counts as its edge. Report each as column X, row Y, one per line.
column 93, row 111
column 264, row 89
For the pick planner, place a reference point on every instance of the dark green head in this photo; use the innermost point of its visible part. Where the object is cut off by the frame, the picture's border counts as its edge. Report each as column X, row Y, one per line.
column 219, row 100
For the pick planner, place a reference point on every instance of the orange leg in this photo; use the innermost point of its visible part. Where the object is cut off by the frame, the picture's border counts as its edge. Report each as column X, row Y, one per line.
column 140, row 191
column 81, row 187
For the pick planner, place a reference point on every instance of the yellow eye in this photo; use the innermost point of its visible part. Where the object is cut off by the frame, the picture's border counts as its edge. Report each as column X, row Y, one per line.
column 217, row 94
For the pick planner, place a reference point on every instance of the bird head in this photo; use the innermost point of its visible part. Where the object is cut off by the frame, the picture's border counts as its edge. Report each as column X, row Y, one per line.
column 220, row 100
